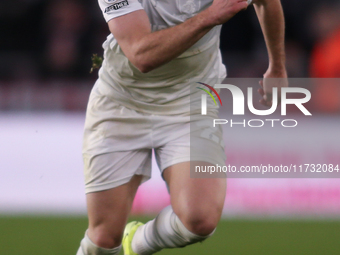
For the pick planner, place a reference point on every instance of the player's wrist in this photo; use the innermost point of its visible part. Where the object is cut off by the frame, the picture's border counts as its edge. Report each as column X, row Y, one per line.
column 277, row 69
column 207, row 19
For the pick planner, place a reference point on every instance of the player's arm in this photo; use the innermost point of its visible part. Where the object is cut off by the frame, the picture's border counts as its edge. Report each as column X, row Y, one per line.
column 270, row 15
column 148, row 50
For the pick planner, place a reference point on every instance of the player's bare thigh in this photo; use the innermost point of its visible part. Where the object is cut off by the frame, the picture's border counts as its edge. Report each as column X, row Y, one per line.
column 198, row 202
column 108, row 213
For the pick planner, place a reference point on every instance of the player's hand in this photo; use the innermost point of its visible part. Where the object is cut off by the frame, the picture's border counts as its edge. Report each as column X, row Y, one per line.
column 223, row 10
column 270, row 80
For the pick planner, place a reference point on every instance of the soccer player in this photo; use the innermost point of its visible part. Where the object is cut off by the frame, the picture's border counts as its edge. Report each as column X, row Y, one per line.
column 140, row 103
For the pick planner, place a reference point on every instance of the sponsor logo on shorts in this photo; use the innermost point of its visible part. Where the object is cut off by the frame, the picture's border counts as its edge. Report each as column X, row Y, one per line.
column 116, row 6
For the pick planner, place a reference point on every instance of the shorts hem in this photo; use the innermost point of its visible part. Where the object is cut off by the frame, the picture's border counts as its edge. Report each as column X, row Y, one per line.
column 112, row 184
column 189, row 159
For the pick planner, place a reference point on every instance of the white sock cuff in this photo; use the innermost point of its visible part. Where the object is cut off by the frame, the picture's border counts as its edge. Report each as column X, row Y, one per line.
column 165, row 231
column 89, row 248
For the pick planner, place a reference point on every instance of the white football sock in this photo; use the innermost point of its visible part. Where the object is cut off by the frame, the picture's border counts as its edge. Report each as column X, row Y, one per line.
column 87, row 247
column 165, row 231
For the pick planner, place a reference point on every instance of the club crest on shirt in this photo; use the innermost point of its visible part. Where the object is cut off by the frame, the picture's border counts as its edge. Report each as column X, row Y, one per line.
column 189, row 7
column 116, row 6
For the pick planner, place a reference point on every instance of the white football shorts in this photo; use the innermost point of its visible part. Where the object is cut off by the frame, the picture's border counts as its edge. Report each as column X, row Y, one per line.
column 118, row 142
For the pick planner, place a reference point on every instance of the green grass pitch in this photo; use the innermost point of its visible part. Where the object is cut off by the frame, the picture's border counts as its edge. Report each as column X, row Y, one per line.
column 61, row 236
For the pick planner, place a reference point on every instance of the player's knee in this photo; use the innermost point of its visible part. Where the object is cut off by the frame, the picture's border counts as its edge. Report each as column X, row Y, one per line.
column 103, row 237
column 90, row 247
column 200, row 226
column 201, row 223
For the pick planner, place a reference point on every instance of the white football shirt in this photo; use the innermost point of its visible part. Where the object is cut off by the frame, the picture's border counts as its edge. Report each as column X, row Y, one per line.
column 165, row 90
